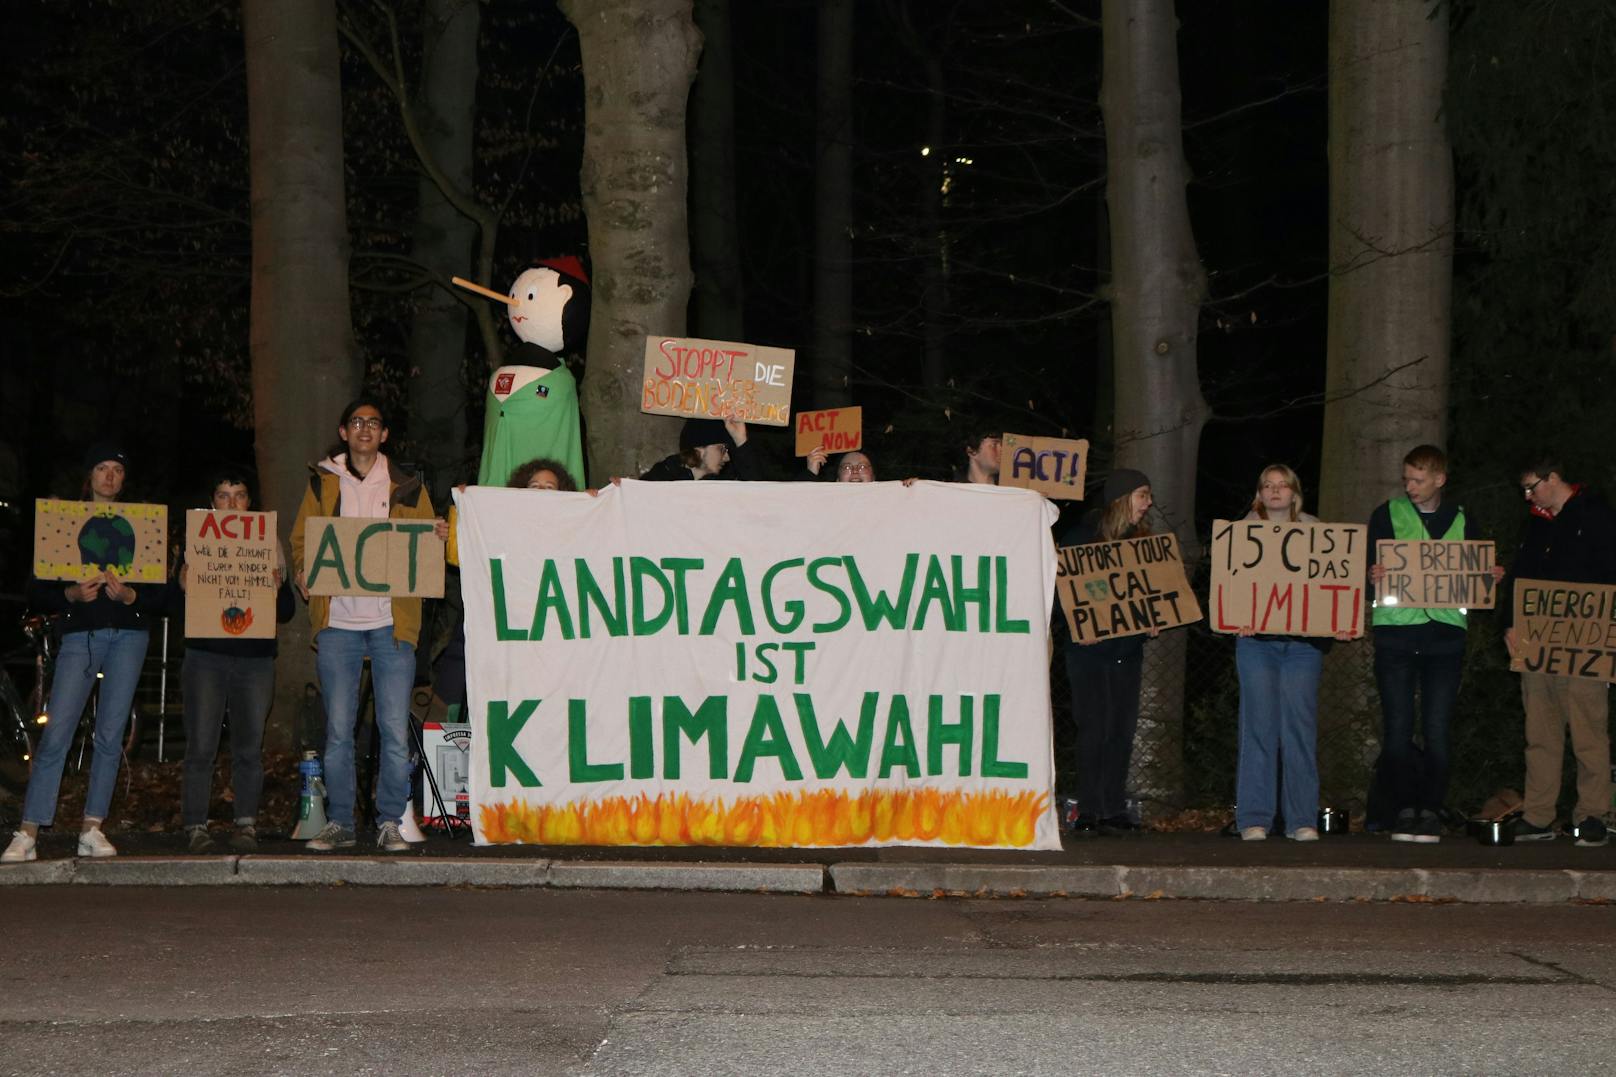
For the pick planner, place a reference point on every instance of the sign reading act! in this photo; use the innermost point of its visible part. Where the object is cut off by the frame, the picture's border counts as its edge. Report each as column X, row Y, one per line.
column 230, row 574
column 717, row 379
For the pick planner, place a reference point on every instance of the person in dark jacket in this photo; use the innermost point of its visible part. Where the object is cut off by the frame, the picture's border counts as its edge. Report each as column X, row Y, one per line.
column 221, row 674
column 106, row 626
column 1104, row 675
column 707, row 448
column 1571, row 537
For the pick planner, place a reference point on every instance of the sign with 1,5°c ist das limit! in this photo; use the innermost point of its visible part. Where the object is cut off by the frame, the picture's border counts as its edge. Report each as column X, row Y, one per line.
column 1280, row 578
column 1123, row 588
column 1565, row 629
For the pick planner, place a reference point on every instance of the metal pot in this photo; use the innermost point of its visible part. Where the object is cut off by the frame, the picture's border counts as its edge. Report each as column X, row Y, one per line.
column 1496, row 832
column 1334, row 821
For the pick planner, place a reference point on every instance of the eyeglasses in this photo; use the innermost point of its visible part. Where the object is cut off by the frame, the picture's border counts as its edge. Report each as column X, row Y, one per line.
column 1527, row 489
column 853, row 469
column 365, row 422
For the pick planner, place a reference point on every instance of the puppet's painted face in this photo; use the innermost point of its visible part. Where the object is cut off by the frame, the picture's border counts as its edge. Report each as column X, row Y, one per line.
column 537, row 300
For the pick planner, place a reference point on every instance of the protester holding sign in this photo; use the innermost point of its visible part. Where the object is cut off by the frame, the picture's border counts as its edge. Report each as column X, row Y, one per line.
column 1417, row 651
column 1570, row 536
column 706, row 448
column 105, row 625
column 852, row 467
column 223, row 673
column 362, row 483
column 1279, row 696
column 1104, row 675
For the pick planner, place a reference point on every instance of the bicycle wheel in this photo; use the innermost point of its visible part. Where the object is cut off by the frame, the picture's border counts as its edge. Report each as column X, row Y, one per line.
column 16, row 746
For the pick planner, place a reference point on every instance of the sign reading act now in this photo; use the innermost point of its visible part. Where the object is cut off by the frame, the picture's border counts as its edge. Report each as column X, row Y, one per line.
column 367, row 558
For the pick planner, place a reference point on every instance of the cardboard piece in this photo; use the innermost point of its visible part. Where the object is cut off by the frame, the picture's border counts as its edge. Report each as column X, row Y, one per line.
column 1436, row 575
column 1565, row 629
column 1055, row 467
column 230, row 560
column 1124, row 588
column 718, row 379
column 75, row 540
column 372, row 558
column 1288, row 579
column 838, row 429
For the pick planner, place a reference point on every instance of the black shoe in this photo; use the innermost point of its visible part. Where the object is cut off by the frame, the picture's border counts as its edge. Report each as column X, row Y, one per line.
column 1085, row 826
column 1407, row 826
column 1590, row 833
column 1525, row 831
column 1428, row 831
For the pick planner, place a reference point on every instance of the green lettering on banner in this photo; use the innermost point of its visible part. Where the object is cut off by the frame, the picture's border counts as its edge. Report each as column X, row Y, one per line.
column 502, row 727
column 794, row 607
column 502, row 628
column 939, row 733
column 711, row 720
column 843, row 749
column 359, row 555
column 328, row 541
column 579, row 768
column 414, row 532
column 590, row 594
column 935, row 589
column 767, row 736
column 898, row 749
column 731, row 589
column 965, row 596
column 881, row 608
column 1001, row 601
column 833, row 591
column 641, row 757
column 641, row 569
column 992, row 767
column 681, row 600
column 550, row 597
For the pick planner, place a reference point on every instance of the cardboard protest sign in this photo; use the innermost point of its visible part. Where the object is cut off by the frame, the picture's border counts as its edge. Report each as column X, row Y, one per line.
column 717, row 379
column 1288, row 579
column 1052, row 466
column 370, row 558
column 75, row 540
column 230, row 560
column 1123, row 588
column 883, row 679
column 1436, row 575
column 838, row 429
column 1565, row 629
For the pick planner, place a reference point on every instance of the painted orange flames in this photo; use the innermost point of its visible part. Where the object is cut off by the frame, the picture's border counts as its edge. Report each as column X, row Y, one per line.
column 821, row 817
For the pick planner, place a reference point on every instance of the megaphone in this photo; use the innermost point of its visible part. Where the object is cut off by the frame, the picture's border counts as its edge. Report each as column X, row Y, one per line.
column 408, row 828
column 311, row 798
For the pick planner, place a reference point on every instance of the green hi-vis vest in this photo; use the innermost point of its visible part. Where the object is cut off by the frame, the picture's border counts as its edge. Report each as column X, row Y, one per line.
column 1407, row 527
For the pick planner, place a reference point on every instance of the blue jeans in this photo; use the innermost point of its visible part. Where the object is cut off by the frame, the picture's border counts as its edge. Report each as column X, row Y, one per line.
column 117, row 654
column 1419, row 780
column 1279, row 700
column 214, row 683
column 340, row 659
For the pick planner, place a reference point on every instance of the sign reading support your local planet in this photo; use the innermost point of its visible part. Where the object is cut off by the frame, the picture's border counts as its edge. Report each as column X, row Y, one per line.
column 760, row 664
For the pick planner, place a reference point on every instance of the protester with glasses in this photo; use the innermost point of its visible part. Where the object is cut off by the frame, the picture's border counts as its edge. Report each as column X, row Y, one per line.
column 852, row 467
column 362, row 482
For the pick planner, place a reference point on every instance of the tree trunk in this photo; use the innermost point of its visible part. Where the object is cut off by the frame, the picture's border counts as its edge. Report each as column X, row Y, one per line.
column 639, row 59
column 714, row 227
column 443, row 242
column 833, row 208
column 1391, row 248
column 1157, row 285
column 301, row 337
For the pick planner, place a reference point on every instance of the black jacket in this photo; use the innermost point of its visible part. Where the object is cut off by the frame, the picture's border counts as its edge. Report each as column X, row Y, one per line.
column 743, row 464
column 1118, row 648
column 50, row 597
column 1577, row 546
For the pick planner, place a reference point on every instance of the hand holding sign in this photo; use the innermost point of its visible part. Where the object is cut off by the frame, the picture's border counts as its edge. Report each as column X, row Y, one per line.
column 373, row 558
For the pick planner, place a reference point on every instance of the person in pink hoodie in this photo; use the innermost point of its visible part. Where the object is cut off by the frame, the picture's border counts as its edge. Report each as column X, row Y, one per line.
column 362, row 482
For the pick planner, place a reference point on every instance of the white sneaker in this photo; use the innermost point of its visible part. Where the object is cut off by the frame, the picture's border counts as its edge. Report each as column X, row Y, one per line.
column 1254, row 833
column 1305, row 833
column 94, row 843
column 21, row 849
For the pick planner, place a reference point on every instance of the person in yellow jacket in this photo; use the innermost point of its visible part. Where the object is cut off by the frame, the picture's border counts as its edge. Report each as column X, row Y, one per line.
column 361, row 482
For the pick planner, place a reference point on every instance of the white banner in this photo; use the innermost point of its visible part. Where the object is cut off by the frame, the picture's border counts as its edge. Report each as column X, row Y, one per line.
column 760, row 664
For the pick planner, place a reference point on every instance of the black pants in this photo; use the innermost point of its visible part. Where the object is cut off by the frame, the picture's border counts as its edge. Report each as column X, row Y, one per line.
column 1105, row 706
column 1419, row 779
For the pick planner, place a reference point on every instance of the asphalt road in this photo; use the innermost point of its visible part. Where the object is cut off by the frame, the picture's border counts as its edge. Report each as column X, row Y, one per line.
column 352, row 980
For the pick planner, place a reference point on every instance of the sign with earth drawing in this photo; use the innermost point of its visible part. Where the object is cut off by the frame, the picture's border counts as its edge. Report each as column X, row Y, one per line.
column 78, row 540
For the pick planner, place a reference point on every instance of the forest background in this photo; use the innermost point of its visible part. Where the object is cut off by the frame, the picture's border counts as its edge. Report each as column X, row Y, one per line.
column 1205, row 238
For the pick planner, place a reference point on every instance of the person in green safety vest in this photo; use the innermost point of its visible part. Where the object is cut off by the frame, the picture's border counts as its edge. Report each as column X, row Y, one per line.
column 1418, row 651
